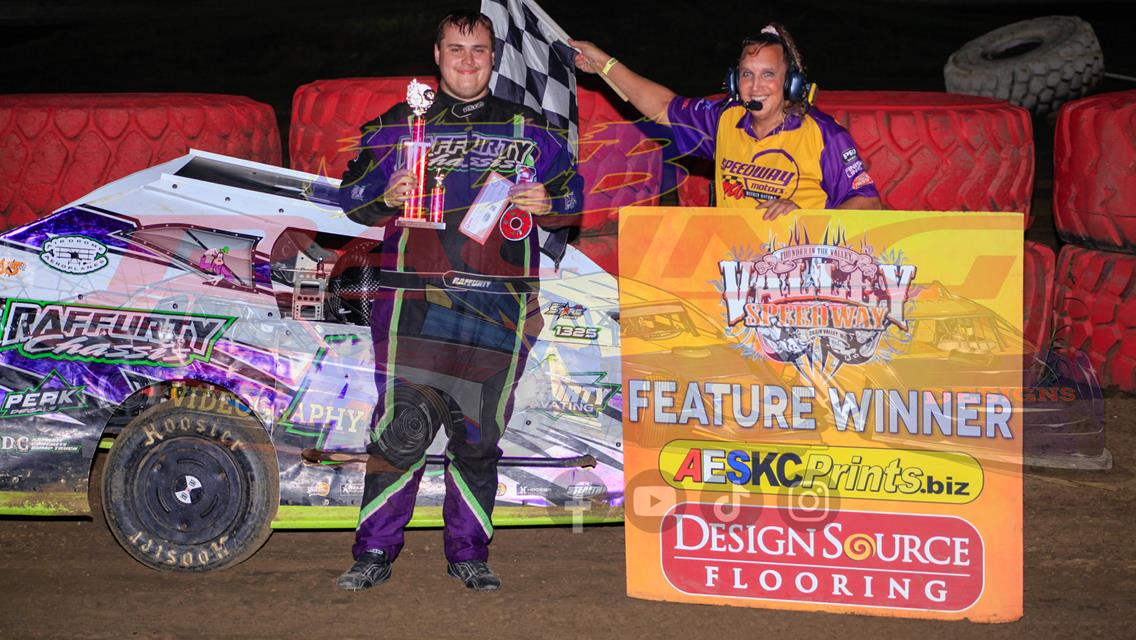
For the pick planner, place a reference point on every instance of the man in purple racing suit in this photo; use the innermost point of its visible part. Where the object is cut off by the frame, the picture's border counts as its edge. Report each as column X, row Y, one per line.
column 772, row 151
column 457, row 308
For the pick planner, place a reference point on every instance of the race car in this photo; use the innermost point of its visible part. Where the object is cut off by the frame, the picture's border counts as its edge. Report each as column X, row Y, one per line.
column 209, row 317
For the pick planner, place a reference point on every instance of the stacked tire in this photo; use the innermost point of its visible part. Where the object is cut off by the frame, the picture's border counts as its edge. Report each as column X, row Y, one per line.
column 1094, row 208
column 55, row 148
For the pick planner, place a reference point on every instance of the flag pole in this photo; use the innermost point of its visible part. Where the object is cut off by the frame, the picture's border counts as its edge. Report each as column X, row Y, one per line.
column 563, row 35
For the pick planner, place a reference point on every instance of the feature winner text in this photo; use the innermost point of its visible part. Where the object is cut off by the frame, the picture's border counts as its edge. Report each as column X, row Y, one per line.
column 917, row 413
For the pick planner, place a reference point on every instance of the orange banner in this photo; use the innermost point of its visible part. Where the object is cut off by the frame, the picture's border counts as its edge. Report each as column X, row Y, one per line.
column 823, row 412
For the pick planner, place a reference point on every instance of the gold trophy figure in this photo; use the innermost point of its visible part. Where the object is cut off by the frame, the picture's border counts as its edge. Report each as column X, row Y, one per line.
column 414, row 214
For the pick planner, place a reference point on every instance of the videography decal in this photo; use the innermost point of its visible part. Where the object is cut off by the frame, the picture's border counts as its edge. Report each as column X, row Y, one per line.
column 868, row 559
column 52, row 394
column 37, row 329
column 74, row 254
column 816, row 305
column 576, row 394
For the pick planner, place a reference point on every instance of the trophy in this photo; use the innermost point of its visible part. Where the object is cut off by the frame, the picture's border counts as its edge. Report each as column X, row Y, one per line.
column 414, row 211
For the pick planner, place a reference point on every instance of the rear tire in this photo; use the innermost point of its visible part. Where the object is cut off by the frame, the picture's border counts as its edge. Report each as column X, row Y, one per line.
column 1037, row 64
column 191, row 485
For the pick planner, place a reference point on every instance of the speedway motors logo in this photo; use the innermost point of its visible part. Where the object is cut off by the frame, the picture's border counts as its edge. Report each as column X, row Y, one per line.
column 826, row 304
column 904, row 561
column 101, row 334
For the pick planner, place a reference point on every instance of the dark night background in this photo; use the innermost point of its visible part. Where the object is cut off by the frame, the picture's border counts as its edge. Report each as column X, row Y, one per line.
column 265, row 50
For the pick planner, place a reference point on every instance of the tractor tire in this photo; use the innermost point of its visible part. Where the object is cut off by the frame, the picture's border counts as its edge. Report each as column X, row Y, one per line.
column 1037, row 64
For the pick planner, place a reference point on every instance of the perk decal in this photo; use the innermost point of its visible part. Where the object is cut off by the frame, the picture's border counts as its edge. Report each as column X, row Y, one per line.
column 74, row 254
column 114, row 336
column 52, row 394
column 815, row 305
column 893, row 560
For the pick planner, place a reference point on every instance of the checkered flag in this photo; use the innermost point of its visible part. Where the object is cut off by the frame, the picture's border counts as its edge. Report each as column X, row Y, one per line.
column 535, row 66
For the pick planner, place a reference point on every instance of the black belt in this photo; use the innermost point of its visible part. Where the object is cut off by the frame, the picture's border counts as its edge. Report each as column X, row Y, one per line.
column 460, row 281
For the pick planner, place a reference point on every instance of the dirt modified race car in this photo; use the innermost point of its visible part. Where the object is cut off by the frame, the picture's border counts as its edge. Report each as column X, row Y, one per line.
column 206, row 320
column 207, row 315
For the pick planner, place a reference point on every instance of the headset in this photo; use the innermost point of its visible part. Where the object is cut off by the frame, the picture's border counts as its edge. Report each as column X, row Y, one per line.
column 797, row 85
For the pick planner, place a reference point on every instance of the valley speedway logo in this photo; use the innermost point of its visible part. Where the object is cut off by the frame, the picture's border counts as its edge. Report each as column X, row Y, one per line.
column 58, row 331
column 824, row 304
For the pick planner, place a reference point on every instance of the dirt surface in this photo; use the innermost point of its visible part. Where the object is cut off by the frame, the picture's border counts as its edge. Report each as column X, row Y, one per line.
column 70, row 578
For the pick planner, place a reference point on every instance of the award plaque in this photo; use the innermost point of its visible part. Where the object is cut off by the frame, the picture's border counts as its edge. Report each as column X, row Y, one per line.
column 414, row 211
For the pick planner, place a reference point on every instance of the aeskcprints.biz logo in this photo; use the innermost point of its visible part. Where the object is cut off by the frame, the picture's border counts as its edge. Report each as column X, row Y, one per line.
column 74, row 254
column 819, row 306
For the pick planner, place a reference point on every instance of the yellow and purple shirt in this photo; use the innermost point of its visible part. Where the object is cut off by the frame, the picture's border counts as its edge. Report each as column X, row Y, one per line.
column 808, row 159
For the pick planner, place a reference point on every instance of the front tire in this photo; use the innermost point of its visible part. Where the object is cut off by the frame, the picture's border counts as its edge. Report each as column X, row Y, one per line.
column 191, row 485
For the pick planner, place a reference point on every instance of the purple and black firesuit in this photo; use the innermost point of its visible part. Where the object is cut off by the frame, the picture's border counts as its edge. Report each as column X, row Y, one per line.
column 461, row 313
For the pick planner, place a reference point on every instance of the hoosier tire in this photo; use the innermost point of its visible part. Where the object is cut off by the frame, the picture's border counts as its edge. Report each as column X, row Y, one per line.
column 191, row 485
column 1037, row 64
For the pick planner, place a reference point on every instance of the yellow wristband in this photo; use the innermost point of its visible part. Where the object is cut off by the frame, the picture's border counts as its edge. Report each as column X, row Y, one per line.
column 608, row 65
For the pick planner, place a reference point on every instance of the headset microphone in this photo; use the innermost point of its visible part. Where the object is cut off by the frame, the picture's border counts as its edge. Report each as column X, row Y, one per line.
column 753, row 105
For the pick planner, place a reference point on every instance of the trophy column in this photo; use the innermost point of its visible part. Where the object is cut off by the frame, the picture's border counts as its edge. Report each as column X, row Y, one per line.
column 417, row 153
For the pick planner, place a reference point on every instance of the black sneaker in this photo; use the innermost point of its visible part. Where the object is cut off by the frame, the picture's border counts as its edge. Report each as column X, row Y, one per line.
column 475, row 574
column 370, row 569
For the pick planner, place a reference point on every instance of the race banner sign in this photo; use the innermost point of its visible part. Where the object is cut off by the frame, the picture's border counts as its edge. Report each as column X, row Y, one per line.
column 823, row 412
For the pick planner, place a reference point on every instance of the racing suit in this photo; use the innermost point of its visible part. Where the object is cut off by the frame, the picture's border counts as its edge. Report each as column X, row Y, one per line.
column 809, row 159
column 452, row 313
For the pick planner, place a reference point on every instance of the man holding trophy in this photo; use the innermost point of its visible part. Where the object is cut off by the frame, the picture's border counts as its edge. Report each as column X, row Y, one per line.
column 459, row 180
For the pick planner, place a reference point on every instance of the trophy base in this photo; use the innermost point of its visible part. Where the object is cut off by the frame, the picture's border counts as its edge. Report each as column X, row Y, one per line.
column 419, row 223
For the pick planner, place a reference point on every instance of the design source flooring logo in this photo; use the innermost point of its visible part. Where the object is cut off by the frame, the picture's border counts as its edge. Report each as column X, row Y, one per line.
column 905, row 561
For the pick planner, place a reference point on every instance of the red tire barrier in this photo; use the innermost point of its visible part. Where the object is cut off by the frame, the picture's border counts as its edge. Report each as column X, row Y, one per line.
column 620, row 166
column 1094, row 172
column 930, row 151
column 55, row 148
column 1037, row 294
column 1095, row 311
column 326, row 116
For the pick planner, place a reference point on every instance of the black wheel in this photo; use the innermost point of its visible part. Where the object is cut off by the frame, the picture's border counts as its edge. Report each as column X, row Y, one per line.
column 1037, row 64
column 191, row 485
column 418, row 414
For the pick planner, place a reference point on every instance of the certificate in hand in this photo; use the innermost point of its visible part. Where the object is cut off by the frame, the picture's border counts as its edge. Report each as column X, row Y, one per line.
column 486, row 208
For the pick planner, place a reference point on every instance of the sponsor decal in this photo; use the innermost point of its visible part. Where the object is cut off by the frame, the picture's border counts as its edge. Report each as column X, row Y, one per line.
column 565, row 310
column 854, row 168
column 74, row 254
column 848, row 155
column 463, row 110
column 515, row 224
column 839, row 472
column 577, row 394
column 37, row 329
column 862, row 180
column 10, row 267
column 827, row 302
column 897, row 561
column 50, row 395
column 582, row 490
column 352, row 485
column 321, row 488
column 770, row 175
column 358, row 192
column 32, row 444
column 475, row 152
column 578, row 333
column 530, row 490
